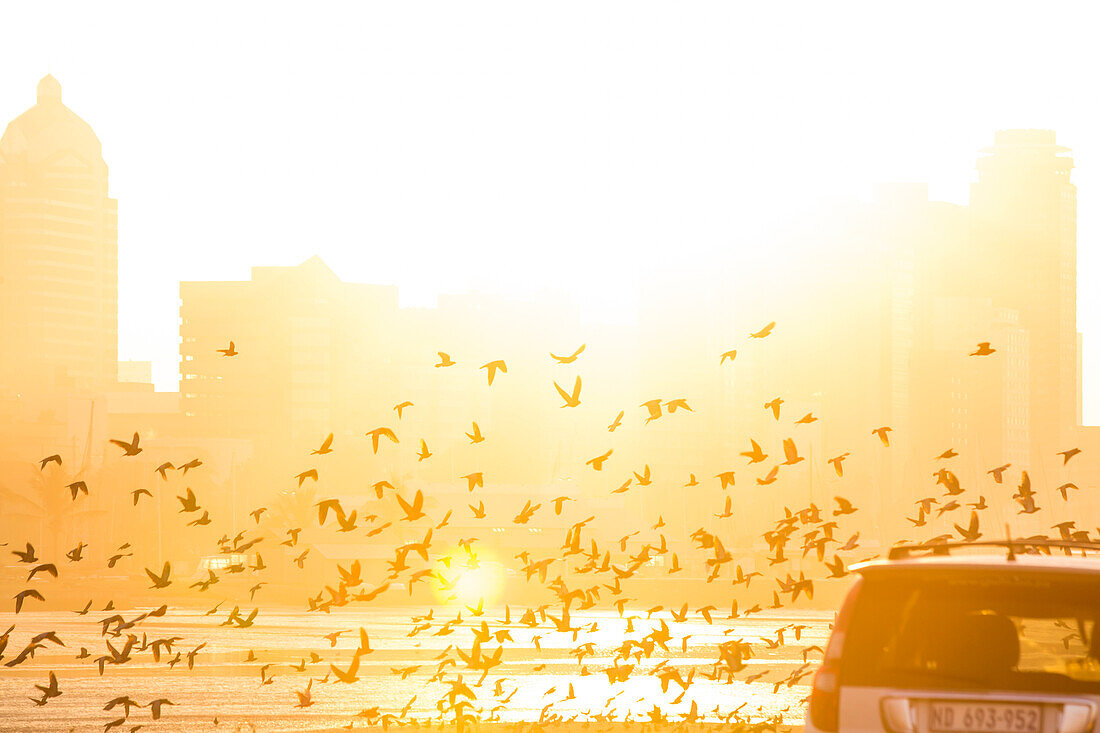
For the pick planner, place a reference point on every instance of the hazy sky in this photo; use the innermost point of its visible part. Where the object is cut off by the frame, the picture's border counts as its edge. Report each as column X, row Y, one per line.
column 514, row 145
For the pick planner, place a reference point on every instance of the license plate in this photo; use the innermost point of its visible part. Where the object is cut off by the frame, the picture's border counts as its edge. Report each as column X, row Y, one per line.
column 968, row 717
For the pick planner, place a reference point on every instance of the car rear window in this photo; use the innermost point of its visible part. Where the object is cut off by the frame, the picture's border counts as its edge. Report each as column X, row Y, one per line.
column 967, row 630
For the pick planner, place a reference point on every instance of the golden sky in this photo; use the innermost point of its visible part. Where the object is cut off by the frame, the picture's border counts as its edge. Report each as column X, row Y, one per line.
column 513, row 146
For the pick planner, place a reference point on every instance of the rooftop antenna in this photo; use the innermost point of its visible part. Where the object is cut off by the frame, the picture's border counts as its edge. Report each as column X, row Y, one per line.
column 1011, row 547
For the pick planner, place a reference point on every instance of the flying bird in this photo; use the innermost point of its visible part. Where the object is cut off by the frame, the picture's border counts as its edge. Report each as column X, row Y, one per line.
column 882, row 434
column 970, row 533
column 326, row 447
column 378, row 433
column 756, row 455
column 598, row 461
column 766, row 330
column 572, row 399
column 160, row 581
column 774, row 406
column 568, row 359
column 984, row 349
column 414, row 510
column 493, row 367
column 790, row 451
column 231, row 351
column 1068, row 454
column 444, row 359
column 838, row 463
column 132, row 448
column 654, row 407
column 22, row 596
column 189, row 502
column 1064, row 490
column 400, row 408
column 616, row 422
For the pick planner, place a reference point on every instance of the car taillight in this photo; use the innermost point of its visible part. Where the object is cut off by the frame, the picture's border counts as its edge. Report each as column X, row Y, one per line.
column 825, row 698
column 825, row 695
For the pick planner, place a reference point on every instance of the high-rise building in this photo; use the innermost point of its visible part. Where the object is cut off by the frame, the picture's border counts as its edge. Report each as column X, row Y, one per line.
column 1024, row 258
column 313, row 352
column 58, row 253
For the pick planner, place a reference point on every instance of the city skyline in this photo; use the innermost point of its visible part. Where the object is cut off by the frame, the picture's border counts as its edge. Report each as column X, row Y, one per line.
column 909, row 286
column 910, row 143
column 493, row 366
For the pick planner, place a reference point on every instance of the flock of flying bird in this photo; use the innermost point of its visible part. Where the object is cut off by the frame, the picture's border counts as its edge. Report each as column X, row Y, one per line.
column 581, row 577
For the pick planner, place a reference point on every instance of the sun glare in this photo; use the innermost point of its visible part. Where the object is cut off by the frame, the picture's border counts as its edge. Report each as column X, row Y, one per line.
column 469, row 581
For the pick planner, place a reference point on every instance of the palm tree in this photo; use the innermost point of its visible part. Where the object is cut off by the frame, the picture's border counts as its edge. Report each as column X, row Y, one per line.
column 50, row 495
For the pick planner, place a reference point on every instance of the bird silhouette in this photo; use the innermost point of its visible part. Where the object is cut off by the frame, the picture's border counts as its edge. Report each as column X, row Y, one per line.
column 765, row 331
column 23, row 595
column 423, row 454
column 838, row 463
column 162, row 580
column 598, row 461
column 572, row 399
column 380, row 433
column 616, row 422
column 568, row 359
column 774, row 406
column 130, row 449
column 326, row 447
column 493, row 367
column 231, row 351
column 1068, row 454
column 790, row 451
column 188, row 502
column 77, row 487
column 984, row 349
column 414, row 510
column 654, row 408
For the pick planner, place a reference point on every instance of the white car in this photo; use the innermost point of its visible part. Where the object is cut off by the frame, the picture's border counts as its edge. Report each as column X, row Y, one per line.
column 936, row 639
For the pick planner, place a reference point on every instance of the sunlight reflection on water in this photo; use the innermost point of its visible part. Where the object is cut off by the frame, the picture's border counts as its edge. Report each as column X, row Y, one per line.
column 223, row 684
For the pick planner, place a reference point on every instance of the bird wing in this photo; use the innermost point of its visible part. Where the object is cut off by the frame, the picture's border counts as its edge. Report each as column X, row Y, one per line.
column 564, row 395
column 789, row 449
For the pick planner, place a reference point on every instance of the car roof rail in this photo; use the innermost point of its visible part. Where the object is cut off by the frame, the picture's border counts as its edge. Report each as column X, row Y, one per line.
column 1013, row 546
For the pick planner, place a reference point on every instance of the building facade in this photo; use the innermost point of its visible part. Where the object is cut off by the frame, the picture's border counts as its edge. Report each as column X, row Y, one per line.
column 1024, row 257
column 58, row 253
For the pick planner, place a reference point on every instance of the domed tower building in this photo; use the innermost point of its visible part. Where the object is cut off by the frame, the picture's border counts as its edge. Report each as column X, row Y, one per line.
column 58, row 254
